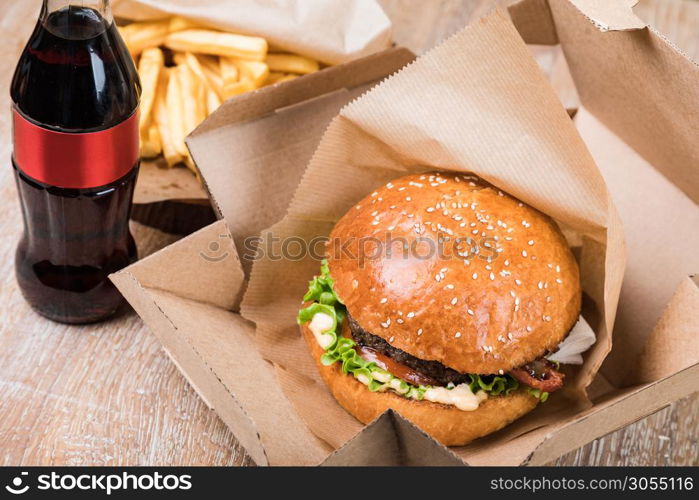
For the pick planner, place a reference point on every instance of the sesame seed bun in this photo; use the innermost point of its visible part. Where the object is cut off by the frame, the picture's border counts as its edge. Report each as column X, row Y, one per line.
column 485, row 313
column 447, row 424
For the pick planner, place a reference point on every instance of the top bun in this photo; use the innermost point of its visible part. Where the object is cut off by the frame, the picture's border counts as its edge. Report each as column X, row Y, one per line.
column 448, row 268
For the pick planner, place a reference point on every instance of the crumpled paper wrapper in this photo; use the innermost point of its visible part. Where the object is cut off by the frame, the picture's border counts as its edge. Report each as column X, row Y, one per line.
column 477, row 103
column 332, row 31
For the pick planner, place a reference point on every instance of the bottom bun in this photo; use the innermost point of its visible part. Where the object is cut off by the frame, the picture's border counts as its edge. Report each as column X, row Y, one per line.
column 447, row 424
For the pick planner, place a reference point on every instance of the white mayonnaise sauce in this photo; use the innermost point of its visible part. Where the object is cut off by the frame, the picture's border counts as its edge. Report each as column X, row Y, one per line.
column 459, row 396
column 320, row 324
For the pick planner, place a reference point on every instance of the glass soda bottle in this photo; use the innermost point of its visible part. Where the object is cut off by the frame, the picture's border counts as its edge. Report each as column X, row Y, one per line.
column 75, row 97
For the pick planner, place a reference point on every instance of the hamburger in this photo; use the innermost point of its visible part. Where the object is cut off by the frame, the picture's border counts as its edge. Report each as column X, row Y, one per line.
column 440, row 297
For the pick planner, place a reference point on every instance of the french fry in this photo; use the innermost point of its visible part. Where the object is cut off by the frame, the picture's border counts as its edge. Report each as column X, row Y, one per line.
column 179, row 58
column 193, row 98
column 254, row 71
column 144, row 35
column 149, row 67
column 213, row 99
column 275, row 77
column 151, row 145
column 193, row 63
column 179, row 23
column 175, row 108
column 162, row 119
column 209, row 63
column 291, row 63
column 218, row 43
column 236, row 88
column 215, row 81
column 228, row 70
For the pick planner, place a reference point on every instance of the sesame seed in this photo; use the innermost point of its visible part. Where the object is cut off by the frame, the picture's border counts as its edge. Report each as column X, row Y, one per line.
column 529, row 328
column 408, row 198
column 510, row 336
column 559, row 280
column 540, row 285
column 524, row 253
column 507, row 262
column 501, row 372
column 391, row 339
column 386, row 324
column 438, row 277
column 450, row 287
column 558, row 269
column 419, row 331
column 475, row 276
column 531, row 242
column 374, row 223
column 399, row 321
column 469, row 311
column 454, row 301
column 384, row 300
column 492, row 276
column 457, row 334
column 430, row 209
column 411, row 314
column 518, row 282
column 501, row 338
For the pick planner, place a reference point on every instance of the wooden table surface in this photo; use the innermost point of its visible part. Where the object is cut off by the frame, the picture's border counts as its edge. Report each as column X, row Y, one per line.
column 107, row 394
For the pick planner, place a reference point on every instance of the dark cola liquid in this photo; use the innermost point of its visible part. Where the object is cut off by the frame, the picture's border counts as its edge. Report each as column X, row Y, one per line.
column 74, row 76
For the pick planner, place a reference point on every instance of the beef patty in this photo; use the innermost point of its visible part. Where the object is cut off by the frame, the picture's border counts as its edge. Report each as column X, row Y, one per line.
column 539, row 374
column 432, row 369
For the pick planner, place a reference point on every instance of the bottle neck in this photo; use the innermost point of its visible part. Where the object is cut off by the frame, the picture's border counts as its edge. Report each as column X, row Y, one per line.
column 102, row 7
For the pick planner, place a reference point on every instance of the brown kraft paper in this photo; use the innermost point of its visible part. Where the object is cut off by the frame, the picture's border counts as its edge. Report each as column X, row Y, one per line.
column 477, row 103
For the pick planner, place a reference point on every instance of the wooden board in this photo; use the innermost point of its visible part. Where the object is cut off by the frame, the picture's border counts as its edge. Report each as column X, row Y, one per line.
column 107, row 394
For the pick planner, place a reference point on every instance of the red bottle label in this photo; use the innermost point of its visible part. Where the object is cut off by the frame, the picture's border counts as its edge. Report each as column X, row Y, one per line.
column 79, row 161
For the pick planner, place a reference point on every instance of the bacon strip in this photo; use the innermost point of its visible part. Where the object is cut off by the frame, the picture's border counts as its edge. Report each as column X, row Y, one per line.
column 540, row 374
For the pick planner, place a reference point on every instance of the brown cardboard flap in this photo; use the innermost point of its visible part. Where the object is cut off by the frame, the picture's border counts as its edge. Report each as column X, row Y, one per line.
column 674, row 342
column 621, row 408
column 215, row 347
column 254, row 149
column 533, row 20
column 208, row 257
column 660, row 224
column 391, row 440
column 641, row 87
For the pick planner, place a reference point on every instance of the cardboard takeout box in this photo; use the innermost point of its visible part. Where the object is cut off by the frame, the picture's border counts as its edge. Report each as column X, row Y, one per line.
column 254, row 151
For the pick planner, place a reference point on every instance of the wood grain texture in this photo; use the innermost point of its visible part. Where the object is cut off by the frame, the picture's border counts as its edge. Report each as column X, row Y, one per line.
column 107, row 394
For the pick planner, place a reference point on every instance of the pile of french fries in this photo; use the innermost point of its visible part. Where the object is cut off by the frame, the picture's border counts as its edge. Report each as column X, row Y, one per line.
column 187, row 72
